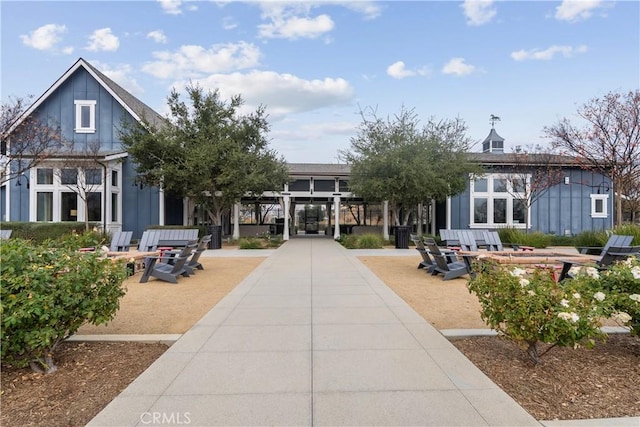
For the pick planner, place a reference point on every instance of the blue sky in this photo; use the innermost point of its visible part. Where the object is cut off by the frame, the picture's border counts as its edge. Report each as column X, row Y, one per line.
column 316, row 65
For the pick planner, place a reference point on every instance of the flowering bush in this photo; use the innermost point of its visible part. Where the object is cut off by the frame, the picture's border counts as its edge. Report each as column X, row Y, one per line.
column 47, row 293
column 531, row 308
column 622, row 282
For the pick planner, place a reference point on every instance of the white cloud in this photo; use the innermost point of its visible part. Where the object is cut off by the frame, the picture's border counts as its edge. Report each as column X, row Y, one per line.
column 121, row 74
column 281, row 93
column 103, row 39
column 228, row 23
column 45, row 37
column 478, row 12
column 458, row 67
column 297, row 27
column 547, row 54
column 67, row 50
column 192, row 61
column 398, row 70
column 576, row 10
column 172, row 7
column 369, row 9
column 294, row 19
column 157, row 36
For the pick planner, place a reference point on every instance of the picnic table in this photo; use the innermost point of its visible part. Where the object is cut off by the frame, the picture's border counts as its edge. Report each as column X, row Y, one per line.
column 557, row 260
column 138, row 257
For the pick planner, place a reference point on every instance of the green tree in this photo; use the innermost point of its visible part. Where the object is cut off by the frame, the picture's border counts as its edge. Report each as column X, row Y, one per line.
column 207, row 151
column 399, row 161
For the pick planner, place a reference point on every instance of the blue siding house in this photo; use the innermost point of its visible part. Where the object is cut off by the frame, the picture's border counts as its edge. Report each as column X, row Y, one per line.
column 89, row 109
column 578, row 200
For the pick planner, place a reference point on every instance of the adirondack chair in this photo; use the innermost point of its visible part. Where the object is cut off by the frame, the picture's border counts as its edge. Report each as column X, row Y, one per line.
column 450, row 237
column 168, row 272
column 467, row 240
column 148, row 241
column 614, row 240
column 450, row 270
column 492, row 239
column 427, row 263
column 194, row 263
column 612, row 255
column 494, row 243
column 120, row 241
column 179, row 237
column 5, row 234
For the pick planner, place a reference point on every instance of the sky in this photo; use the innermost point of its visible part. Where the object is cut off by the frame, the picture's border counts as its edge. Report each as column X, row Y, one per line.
column 316, row 66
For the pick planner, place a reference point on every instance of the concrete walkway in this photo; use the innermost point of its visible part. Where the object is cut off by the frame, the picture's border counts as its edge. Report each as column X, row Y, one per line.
column 312, row 337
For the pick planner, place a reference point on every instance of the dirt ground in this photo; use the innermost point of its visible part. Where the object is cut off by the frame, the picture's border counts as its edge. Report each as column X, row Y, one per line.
column 158, row 307
column 569, row 384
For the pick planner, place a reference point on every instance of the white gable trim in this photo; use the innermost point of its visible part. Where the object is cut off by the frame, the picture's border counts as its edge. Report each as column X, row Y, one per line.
column 79, row 63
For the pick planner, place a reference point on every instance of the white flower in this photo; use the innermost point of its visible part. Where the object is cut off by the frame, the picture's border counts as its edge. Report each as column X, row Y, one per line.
column 564, row 303
column 576, row 295
column 593, row 272
column 574, row 271
column 636, row 272
column 524, row 282
column 518, row 272
column 635, row 297
column 569, row 316
column 531, row 293
column 621, row 317
column 599, row 296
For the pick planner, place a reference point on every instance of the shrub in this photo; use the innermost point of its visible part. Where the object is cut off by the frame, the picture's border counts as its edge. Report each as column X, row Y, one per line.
column 591, row 239
column 556, row 240
column 47, row 293
column 530, row 307
column 629, row 230
column 250, row 243
column 370, row 241
column 621, row 284
column 349, row 241
column 536, row 239
column 75, row 241
column 40, row 231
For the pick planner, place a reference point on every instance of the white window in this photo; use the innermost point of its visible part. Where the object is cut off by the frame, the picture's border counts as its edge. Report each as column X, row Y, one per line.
column 498, row 200
column 55, row 195
column 599, row 205
column 85, row 116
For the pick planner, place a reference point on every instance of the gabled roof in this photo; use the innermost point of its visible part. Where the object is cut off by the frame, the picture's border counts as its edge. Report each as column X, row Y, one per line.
column 130, row 103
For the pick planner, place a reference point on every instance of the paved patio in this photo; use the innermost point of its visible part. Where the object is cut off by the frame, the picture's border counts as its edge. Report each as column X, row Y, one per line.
column 312, row 337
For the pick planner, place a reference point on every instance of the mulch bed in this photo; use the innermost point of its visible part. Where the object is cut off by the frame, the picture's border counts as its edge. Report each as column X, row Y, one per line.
column 89, row 376
column 569, row 383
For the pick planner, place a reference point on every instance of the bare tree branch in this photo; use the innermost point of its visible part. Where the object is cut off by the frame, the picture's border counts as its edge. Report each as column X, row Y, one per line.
column 26, row 141
column 609, row 141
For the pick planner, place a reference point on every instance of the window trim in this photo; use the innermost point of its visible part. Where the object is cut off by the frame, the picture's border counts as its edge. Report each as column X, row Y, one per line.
column 605, row 205
column 491, row 196
column 92, row 116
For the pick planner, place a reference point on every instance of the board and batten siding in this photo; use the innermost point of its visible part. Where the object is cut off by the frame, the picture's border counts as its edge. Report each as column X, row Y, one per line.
column 563, row 209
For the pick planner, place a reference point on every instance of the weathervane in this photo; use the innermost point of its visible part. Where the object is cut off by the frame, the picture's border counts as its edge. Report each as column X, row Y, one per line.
column 493, row 120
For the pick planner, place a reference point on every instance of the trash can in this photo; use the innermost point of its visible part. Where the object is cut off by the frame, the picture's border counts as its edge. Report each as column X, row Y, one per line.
column 401, row 234
column 216, row 236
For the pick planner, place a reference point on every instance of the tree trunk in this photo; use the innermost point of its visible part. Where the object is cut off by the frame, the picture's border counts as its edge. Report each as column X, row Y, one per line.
column 532, row 351
column 618, row 203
